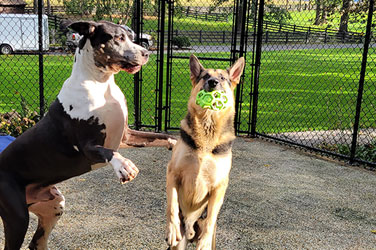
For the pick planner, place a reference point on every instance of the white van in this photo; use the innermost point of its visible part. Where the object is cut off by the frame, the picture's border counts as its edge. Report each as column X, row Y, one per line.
column 19, row 32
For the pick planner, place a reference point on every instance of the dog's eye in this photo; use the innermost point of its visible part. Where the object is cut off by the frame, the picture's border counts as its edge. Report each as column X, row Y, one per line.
column 120, row 38
column 222, row 78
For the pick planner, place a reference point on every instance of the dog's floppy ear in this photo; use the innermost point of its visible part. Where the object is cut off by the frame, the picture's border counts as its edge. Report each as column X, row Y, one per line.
column 195, row 67
column 236, row 70
column 84, row 28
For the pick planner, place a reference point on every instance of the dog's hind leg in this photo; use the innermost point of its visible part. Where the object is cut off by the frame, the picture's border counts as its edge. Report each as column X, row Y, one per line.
column 190, row 222
column 13, row 211
column 48, row 212
column 209, row 223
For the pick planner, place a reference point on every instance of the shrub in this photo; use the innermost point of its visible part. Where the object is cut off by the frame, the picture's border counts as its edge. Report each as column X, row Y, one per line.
column 14, row 123
column 181, row 42
column 365, row 152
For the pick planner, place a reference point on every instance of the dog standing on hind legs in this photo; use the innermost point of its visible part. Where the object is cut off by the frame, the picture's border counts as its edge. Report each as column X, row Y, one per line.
column 81, row 131
column 198, row 172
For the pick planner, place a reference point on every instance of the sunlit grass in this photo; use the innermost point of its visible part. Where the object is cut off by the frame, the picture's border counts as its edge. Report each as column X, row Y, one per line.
column 299, row 89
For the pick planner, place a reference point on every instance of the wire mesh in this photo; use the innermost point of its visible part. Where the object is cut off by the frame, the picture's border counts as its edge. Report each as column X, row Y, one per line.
column 205, row 30
column 309, row 74
column 311, row 60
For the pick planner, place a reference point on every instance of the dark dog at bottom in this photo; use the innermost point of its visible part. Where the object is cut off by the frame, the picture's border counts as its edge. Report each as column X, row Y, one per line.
column 82, row 131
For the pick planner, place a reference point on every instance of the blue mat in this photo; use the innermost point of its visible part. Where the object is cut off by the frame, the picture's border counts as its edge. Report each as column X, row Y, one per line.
column 5, row 140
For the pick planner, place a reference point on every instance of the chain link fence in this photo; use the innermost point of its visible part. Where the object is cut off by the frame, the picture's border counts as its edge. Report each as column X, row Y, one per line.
column 309, row 85
column 302, row 82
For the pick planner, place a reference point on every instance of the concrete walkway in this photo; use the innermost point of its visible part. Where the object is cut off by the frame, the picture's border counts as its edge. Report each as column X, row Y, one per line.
column 278, row 198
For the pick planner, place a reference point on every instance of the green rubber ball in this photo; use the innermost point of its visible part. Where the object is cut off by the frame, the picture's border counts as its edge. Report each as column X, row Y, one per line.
column 214, row 100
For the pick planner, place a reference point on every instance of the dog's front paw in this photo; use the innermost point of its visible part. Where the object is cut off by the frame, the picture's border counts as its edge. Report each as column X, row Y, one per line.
column 173, row 234
column 124, row 168
column 204, row 243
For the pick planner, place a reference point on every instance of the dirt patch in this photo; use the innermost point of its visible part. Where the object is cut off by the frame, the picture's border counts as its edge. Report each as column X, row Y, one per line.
column 277, row 198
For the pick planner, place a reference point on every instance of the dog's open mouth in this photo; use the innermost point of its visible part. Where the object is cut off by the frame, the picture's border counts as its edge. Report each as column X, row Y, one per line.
column 130, row 68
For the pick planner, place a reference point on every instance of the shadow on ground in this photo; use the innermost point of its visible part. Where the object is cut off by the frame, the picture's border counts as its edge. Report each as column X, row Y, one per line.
column 277, row 198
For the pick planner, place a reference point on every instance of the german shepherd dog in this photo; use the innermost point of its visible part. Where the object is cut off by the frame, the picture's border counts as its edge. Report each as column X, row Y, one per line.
column 198, row 172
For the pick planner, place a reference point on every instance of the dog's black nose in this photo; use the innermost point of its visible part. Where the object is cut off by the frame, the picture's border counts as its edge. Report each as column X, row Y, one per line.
column 213, row 83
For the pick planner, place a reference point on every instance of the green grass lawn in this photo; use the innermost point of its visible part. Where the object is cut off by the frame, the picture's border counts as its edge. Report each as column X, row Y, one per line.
column 299, row 89
column 307, row 18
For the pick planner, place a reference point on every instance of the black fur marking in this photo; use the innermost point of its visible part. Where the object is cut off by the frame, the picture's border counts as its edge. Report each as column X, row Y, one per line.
column 81, row 43
column 200, row 76
column 38, row 234
column 222, row 148
column 188, row 118
column 70, row 107
column 188, row 139
column 52, row 140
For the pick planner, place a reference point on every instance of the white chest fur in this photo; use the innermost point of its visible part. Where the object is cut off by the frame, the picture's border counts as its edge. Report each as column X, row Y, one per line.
column 86, row 95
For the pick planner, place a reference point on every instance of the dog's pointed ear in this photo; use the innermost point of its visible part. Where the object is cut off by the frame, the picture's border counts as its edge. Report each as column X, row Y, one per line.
column 84, row 28
column 236, row 70
column 195, row 67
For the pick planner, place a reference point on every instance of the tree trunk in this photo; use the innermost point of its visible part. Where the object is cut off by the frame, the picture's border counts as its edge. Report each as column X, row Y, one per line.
column 48, row 7
column 343, row 25
column 323, row 15
column 318, row 12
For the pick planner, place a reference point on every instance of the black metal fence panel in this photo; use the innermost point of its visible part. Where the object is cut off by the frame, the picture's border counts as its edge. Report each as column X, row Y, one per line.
column 212, row 39
column 309, row 89
column 306, row 80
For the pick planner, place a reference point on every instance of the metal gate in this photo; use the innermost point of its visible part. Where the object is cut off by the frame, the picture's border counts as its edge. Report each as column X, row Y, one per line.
column 218, row 47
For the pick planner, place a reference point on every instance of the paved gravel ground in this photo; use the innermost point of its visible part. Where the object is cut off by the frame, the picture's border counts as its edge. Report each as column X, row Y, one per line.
column 278, row 198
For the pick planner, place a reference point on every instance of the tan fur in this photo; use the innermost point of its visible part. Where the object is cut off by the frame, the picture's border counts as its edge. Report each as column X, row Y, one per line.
column 197, row 179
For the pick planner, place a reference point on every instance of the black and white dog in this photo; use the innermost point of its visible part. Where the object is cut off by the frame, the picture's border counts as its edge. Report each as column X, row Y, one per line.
column 82, row 131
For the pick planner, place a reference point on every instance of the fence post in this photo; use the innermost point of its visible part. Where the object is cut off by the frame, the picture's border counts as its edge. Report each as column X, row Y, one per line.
column 343, row 36
column 161, row 62
column 257, row 68
column 266, row 36
column 224, row 37
column 168, row 66
column 307, row 35
column 361, row 81
column 287, row 37
column 136, row 77
column 200, row 37
column 242, row 50
column 40, row 58
column 326, row 35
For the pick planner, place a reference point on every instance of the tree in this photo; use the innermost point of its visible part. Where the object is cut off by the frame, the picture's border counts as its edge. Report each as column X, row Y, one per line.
column 276, row 14
column 325, row 10
column 104, row 9
column 345, row 15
